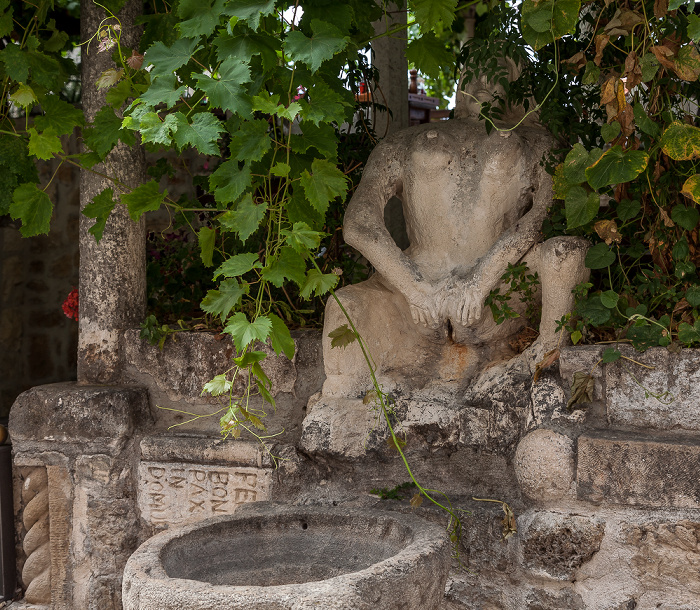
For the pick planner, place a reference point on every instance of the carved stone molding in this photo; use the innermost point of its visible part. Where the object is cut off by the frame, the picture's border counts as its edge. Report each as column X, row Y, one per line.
column 36, row 573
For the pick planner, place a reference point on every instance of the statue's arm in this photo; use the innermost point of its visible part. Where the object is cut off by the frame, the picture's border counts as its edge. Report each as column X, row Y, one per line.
column 509, row 248
column 364, row 230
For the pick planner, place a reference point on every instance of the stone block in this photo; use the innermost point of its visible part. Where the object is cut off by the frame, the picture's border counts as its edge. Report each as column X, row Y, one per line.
column 555, row 545
column 629, row 390
column 178, row 493
column 202, row 449
column 82, row 418
column 636, row 470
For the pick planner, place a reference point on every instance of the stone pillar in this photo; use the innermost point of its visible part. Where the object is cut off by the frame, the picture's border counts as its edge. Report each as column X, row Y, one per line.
column 389, row 58
column 113, row 272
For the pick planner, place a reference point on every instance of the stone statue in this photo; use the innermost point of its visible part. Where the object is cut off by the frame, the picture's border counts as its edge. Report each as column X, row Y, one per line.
column 472, row 203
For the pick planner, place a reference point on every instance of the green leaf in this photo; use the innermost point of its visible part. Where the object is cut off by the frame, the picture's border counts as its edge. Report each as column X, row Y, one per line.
column 220, row 302
column 689, row 334
column 323, row 184
column 692, row 295
column 227, row 91
column 681, row 250
column 251, row 357
column 33, row 207
column 250, row 11
column 244, row 43
column 342, row 336
column 100, row 208
column 591, row 74
column 687, row 63
column 691, row 188
column 593, row 310
column 318, row 283
column 144, row 198
column 199, row 17
column 251, row 141
column 432, row 13
column 280, row 337
column 694, row 28
column 610, row 131
column 609, row 299
column 201, row 134
column 24, row 96
column 280, row 170
column 16, row 167
column 575, row 164
column 238, row 265
column 6, row 25
column 561, row 14
column 322, row 138
column 164, row 89
column 650, row 66
column 217, row 386
column 106, row 131
column 645, row 124
column 155, row 130
column 108, row 78
column 674, row 5
column 327, row 40
column 681, row 141
column 44, row 145
column 685, row 217
column 207, row 239
column 16, row 62
column 611, row 355
column 167, row 60
column 684, row 270
column 59, row 116
column 430, row 55
column 244, row 332
column 245, row 219
column 286, row 265
column 322, row 104
column 581, row 207
column 300, row 210
column 229, row 181
column 627, row 210
column 55, row 43
column 600, row 256
column 616, row 166
column 302, row 238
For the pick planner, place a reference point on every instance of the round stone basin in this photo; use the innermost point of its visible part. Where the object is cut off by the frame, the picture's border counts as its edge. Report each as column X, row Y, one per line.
column 270, row 556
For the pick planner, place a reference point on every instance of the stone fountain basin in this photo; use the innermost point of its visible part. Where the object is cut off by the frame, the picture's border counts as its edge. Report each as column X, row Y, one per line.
column 276, row 557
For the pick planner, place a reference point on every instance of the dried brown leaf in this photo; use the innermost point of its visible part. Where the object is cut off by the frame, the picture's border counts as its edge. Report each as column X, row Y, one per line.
column 664, row 55
column 581, row 389
column 607, row 230
column 135, row 61
column 660, row 8
column 417, row 500
column 549, row 359
column 601, row 41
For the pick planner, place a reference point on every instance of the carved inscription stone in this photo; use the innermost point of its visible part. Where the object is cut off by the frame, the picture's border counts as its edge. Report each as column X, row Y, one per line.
column 179, row 493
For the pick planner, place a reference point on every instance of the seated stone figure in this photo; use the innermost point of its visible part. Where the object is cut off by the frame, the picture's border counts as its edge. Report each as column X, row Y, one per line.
column 473, row 202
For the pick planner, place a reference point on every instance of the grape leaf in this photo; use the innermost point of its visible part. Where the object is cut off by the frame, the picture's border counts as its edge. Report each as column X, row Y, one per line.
column 108, row 78
column 24, row 96
column 286, row 265
column 164, row 90
column 321, row 137
column 327, row 40
column 220, row 302
column 323, row 184
column 302, row 238
column 16, row 167
column 430, row 13
column 59, row 116
column 616, row 166
column 199, row 17
column 155, row 130
column 229, row 182
column 227, row 92
column 318, row 283
column 16, row 62
column 6, row 25
column 238, row 265
column 342, row 336
column 33, row 207
column 244, row 332
column 207, row 239
column 245, row 219
column 694, row 27
column 244, row 43
column 144, row 198
column 166, row 60
column 217, row 386
column 430, row 55
column 202, row 133
column 100, row 208
column 106, row 131
column 280, row 337
column 251, row 10
column 44, row 145
column 324, row 104
column 251, row 141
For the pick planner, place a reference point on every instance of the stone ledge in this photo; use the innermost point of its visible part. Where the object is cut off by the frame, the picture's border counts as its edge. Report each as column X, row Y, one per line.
column 203, row 450
column 80, row 418
column 637, row 470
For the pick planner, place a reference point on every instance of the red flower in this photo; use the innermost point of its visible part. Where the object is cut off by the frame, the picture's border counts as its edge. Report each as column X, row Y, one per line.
column 70, row 305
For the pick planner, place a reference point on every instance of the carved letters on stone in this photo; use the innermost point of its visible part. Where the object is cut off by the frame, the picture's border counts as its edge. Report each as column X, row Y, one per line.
column 179, row 493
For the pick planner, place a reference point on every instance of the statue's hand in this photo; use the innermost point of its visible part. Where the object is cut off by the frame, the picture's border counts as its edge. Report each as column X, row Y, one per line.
column 425, row 305
column 464, row 301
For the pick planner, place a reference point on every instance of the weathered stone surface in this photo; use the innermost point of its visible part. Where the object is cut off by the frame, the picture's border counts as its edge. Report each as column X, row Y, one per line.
column 172, row 493
column 582, row 358
column 172, row 447
column 620, row 468
column 556, row 545
column 629, row 390
column 290, row 557
column 538, row 598
column 81, row 418
column 544, row 465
